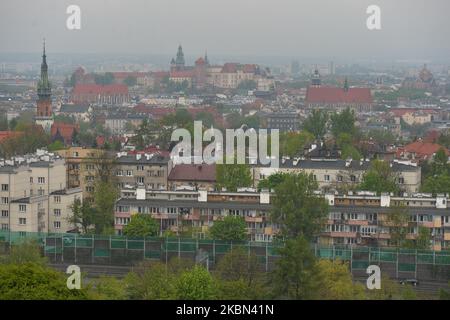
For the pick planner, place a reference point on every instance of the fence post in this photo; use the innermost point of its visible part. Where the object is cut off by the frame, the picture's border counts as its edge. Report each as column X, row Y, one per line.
column 267, row 257
column 75, row 248
column 144, row 249
column 92, row 248
column 62, row 248
column 214, row 251
column 179, row 247
column 351, row 258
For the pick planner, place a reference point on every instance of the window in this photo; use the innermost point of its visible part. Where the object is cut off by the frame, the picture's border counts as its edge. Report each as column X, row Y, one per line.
column 22, row 208
column 327, row 177
column 89, row 167
column 140, row 179
column 31, row 179
column 22, row 221
column 5, row 226
column 41, row 180
column 5, row 187
column 5, row 213
column 353, row 178
column 5, row 200
column 129, row 173
column 140, row 168
column 57, row 199
column 57, row 212
column 57, row 224
column 89, row 189
column 401, row 180
column 339, row 178
column 119, row 173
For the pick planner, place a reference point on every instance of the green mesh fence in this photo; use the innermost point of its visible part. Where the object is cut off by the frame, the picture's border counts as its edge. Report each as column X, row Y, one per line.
column 118, row 250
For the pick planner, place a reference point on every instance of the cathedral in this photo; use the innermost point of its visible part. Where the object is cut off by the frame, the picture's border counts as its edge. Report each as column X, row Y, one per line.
column 44, row 114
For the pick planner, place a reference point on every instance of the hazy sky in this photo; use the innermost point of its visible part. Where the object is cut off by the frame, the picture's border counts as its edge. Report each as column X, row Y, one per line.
column 303, row 28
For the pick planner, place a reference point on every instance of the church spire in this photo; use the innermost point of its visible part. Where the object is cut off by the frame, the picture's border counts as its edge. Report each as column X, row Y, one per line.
column 44, row 84
column 180, row 57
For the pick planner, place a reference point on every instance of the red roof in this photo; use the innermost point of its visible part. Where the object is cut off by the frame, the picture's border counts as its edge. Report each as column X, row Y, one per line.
column 200, row 61
column 193, row 172
column 398, row 112
column 421, row 150
column 182, row 74
column 100, row 89
column 338, row 95
column 4, row 135
column 229, row 67
column 66, row 130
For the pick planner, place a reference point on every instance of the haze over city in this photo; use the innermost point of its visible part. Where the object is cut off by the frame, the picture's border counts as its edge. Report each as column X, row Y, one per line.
column 411, row 29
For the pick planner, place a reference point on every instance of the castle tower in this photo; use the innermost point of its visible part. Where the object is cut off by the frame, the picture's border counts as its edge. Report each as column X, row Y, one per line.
column 179, row 61
column 44, row 114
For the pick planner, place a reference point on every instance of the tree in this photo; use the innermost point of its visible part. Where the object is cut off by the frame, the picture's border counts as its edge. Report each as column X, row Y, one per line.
column 272, row 181
column 206, row 118
column 27, row 251
column 343, row 122
column 56, row 145
column 231, row 228
column 31, row 281
column 105, row 196
column 296, row 209
column 379, row 178
column 316, row 123
column 333, row 281
column 233, row 176
column 150, row 281
column 397, row 220
column 247, row 85
column 130, row 81
column 292, row 277
column 108, row 288
column 195, row 284
column 293, row 143
column 234, row 120
column 238, row 276
column 140, row 226
column 83, row 215
column 345, row 143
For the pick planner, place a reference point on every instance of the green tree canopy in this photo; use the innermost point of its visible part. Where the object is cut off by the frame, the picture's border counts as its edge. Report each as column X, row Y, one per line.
column 196, row 284
column 231, row 228
column 233, row 176
column 296, row 209
column 316, row 123
column 343, row 122
column 379, row 178
column 32, row 281
column 141, row 225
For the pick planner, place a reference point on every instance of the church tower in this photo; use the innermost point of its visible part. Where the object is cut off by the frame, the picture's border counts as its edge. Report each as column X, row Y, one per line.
column 44, row 114
column 315, row 80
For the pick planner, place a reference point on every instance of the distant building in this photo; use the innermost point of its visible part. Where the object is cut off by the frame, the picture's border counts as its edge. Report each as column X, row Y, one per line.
column 283, row 121
column 425, row 80
column 64, row 132
column 110, row 94
column 420, row 151
column 334, row 98
column 201, row 176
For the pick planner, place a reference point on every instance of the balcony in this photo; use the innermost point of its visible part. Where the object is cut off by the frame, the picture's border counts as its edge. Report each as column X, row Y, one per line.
column 253, row 219
column 358, row 222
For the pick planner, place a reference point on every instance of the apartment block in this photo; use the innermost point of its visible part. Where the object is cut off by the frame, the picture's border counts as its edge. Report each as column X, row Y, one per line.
column 29, row 186
column 337, row 174
column 360, row 218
